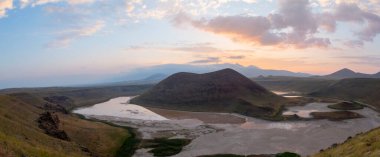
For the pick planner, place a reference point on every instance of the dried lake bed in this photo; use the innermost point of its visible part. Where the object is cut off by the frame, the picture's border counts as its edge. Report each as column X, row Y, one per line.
column 218, row 133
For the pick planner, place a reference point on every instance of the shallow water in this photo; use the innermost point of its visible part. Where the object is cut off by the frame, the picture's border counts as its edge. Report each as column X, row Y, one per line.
column 255, row 136
column 304, row 111
column 291, row 94
column 119, row 107
column 258, row 136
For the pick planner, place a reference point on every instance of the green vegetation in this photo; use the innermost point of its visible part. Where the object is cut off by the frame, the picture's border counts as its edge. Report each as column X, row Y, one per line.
column 352, row 105
column 222, row 155
column 234, row 155
column 285, row 154
column 165, row 147
column 129, row 146
column 366, row 144
column 101, row 139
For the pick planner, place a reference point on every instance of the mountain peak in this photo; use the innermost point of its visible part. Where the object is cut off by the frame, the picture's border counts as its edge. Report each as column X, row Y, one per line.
column 226, row 71
column 345, row 70
column 348, row 73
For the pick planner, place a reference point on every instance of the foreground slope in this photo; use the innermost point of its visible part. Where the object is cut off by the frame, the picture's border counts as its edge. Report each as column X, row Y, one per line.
column 20, row 134
column 221, row 91
column 364, row 90
column 366, row 144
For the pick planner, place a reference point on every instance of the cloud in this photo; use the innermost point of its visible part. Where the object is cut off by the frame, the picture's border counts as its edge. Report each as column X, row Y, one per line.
column 241, row 28
column 362, row 60
column 197, row 48
column 5, row 5
column 159, row 9
column 366, row 5
column 64, row 38
column 206, row 61
column 293, row 24
column 354, row 43
column 236, row 57
column 352, row 13
column 26, row 3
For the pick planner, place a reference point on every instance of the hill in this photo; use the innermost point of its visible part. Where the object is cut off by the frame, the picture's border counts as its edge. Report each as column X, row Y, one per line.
column 303, row 85
column 366, row 144
column 221, row 91
column 71, row 97
column 364, row 90
column 22, row 134
column 348, row 73
column 377, row 75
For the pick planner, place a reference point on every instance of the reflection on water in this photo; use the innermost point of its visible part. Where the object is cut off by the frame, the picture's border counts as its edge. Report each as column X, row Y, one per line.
column 304, row 111
column 119, row 107
column 291, row 94
column 273, row 125
column 280, row 92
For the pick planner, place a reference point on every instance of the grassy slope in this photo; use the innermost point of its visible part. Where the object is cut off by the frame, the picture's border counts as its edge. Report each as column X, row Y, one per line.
column 362, row 90
column 20, row 135
column 299, row 84
column 366, row 144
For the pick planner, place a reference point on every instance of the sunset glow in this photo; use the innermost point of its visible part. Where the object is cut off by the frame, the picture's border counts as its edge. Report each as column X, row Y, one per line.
column 71, row 39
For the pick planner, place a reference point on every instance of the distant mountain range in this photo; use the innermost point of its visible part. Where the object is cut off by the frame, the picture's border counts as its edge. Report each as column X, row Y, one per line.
column 220, row 91
column 154, row 74
column 348, row 73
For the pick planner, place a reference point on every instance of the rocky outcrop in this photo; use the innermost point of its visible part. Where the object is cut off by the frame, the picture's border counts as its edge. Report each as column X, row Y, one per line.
column 54, row 108
column 58, row 103
column 49, row 122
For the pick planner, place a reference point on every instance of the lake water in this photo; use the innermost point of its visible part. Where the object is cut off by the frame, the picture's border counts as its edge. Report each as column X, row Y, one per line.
column 255, row 136
column 304, row 111
column 258, row 136
column 119, row 107
column 291, row 94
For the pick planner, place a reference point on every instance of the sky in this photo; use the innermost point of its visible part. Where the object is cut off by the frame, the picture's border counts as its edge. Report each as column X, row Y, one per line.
column 48, row 41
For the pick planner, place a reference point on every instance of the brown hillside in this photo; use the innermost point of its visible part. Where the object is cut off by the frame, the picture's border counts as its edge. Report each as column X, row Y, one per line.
column 225, row 91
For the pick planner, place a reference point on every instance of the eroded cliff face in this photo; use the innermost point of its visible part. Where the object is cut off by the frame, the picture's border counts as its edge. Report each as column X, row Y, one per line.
column 50, row 122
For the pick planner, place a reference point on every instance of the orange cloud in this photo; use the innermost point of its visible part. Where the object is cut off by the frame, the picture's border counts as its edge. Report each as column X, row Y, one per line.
column 293, row 24
column 4, row 6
